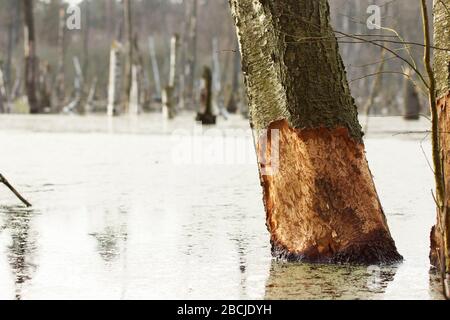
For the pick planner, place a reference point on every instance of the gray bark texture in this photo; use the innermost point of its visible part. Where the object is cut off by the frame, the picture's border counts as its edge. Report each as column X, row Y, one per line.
column 293, row 77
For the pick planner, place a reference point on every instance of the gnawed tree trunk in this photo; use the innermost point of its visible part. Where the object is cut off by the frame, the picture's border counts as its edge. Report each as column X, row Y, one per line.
column 411, row 99
column 114, row 82
column 31, row 59
column 440, row 235
column 320, row 199
column 206, row 115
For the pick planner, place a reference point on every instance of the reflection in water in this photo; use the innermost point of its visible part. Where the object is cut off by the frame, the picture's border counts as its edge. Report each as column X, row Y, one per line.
column 435, row 288
column 22, row 249
column 305, row 281
column 242, row 248
column 112, row 240
column 109, row 242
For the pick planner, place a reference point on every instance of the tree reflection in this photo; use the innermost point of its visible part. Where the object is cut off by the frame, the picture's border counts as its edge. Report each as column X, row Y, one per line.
column 23, row 246
column 305, row 281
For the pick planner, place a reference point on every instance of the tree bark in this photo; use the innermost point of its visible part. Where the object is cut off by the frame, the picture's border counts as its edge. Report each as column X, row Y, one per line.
column 320, row 199
column 440, row 235
column 30, row 55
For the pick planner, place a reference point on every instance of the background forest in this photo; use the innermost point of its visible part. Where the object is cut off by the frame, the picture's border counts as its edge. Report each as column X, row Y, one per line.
column 103, row 21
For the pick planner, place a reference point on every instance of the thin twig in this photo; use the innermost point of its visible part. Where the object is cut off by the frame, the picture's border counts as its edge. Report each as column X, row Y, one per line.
column 13, row 190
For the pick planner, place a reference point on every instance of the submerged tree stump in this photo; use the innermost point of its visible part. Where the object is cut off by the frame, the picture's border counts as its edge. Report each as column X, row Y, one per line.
column 206, row 115
column 319, row 196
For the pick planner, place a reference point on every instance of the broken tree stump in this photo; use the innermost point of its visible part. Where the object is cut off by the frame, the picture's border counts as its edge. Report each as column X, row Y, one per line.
column 206, row 116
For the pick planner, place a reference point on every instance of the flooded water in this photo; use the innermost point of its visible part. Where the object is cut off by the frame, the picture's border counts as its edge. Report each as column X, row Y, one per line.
column 118, row 215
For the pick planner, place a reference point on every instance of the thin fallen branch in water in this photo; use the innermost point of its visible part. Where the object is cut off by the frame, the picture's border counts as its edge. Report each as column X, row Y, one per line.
column 10, row 187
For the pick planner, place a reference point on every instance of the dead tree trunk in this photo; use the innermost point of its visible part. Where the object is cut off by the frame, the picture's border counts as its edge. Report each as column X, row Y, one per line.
column 206, row 115
column 191, row 54
column 168, row 97
column 218, row 102
column 114, row 82
column 320, row 199
column 155, row 67
column 60, row 78
column 3, row 97
column 440, row 235
column 86, row 36
column 129, row 49
column 30, row 55
column 233, row 101
column 411, row 99
column 14, row 7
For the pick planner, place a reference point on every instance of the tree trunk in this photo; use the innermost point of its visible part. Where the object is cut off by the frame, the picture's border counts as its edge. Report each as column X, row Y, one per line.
column 14, row 7
column 319, row 195
column 206, row 115
column 31, row 59
column 440, row 236
column 60, row 78
column 86, row 36
column 114, row 82
column 155, row 67
column 411, row 99
column 129, row 49
column 233, row 101
column 168, row 97
column 217, row 78
column 191, row 53
column 3, row 98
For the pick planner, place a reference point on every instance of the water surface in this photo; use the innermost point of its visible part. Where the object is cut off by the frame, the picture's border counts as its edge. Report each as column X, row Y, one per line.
column 116, row 215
